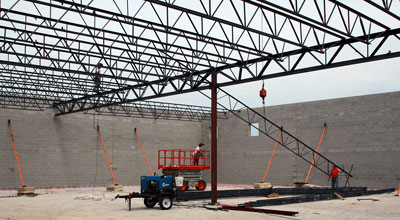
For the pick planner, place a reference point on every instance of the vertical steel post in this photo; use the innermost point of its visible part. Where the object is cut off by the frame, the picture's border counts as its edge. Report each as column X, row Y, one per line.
column 130, row 203
column 214, row 138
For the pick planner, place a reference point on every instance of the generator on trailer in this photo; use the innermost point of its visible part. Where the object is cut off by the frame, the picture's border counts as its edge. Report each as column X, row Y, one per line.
column 179, row 172
column 155, row 189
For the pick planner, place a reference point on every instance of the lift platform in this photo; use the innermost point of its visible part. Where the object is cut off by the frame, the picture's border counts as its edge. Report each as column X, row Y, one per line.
column 188, row 164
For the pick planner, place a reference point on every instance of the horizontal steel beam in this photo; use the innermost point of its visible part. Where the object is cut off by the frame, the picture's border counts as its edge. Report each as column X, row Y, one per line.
column 315, row 198
column 186, row 196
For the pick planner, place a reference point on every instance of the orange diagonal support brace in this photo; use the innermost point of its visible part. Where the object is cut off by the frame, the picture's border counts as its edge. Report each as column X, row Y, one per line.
column 315, row 154
column 272, row 156
column 108, row 161
column 144, row 154
column 15, row 152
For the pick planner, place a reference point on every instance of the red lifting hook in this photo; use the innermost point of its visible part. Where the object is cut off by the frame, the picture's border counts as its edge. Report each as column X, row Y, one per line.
column 263, row 93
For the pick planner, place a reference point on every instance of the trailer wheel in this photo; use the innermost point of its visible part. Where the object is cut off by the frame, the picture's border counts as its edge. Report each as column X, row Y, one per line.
column 150, row 202
column 201, row 185
column 165, row 202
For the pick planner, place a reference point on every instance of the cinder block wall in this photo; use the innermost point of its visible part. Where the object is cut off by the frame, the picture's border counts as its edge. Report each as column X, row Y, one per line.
column 65, row 151
column 363, row 131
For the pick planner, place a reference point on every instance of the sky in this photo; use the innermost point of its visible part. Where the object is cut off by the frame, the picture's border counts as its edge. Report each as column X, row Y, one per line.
column 356, row 80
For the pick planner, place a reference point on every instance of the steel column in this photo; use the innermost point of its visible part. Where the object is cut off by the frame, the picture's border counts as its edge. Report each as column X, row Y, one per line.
column 214, row 113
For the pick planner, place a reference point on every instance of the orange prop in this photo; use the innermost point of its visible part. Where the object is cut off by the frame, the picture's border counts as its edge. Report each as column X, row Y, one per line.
column 272, row 156
column 108, row 161
column 15, row 152
column 144, row 154
column 315, row 155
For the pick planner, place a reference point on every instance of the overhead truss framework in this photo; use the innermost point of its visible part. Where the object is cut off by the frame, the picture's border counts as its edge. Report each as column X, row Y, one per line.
column 160, row 110
column 50, row 50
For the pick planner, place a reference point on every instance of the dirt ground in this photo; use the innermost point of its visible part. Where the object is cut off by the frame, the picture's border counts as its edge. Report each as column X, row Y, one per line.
column 97, row 203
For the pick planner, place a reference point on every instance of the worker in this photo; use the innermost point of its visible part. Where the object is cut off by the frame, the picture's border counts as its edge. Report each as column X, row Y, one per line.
column 197, row 154
column 97, row 80
column 334, row 176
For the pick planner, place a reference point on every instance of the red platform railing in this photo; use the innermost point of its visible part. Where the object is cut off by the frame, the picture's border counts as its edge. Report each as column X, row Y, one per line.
column 183, row 159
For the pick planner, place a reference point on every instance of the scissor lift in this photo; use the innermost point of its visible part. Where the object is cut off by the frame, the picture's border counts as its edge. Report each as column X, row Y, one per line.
column 180, row 162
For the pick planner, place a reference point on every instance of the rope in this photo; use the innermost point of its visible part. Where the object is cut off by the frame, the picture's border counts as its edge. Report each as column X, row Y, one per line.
column 97, row 148
column 102, row 196
column 192, row 205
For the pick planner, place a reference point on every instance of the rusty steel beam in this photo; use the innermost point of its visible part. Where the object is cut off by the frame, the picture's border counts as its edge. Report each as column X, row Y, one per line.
column 249, row 209
column 214, row 113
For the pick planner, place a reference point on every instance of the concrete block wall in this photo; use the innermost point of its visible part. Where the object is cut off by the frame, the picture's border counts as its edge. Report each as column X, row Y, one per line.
column 363, row 131
column 65, row 151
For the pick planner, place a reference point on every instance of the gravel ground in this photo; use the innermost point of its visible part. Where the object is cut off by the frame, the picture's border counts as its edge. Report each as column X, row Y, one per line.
column 97, row 203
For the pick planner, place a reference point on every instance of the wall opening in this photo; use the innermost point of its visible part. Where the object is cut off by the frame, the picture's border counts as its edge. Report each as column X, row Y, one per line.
column 254, row 130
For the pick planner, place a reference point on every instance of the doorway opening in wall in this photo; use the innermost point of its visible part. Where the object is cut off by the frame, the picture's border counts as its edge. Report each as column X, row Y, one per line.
column 254, row 130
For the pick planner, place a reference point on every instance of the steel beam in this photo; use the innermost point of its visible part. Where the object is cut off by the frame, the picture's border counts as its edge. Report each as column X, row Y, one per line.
column 269, row 129
column 384, row 8
column 200, row 77
column 160, row 110
column 232, row 193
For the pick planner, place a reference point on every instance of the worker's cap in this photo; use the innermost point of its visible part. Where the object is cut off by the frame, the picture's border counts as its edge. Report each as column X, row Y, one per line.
column 99, row 65
column 201, row 144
